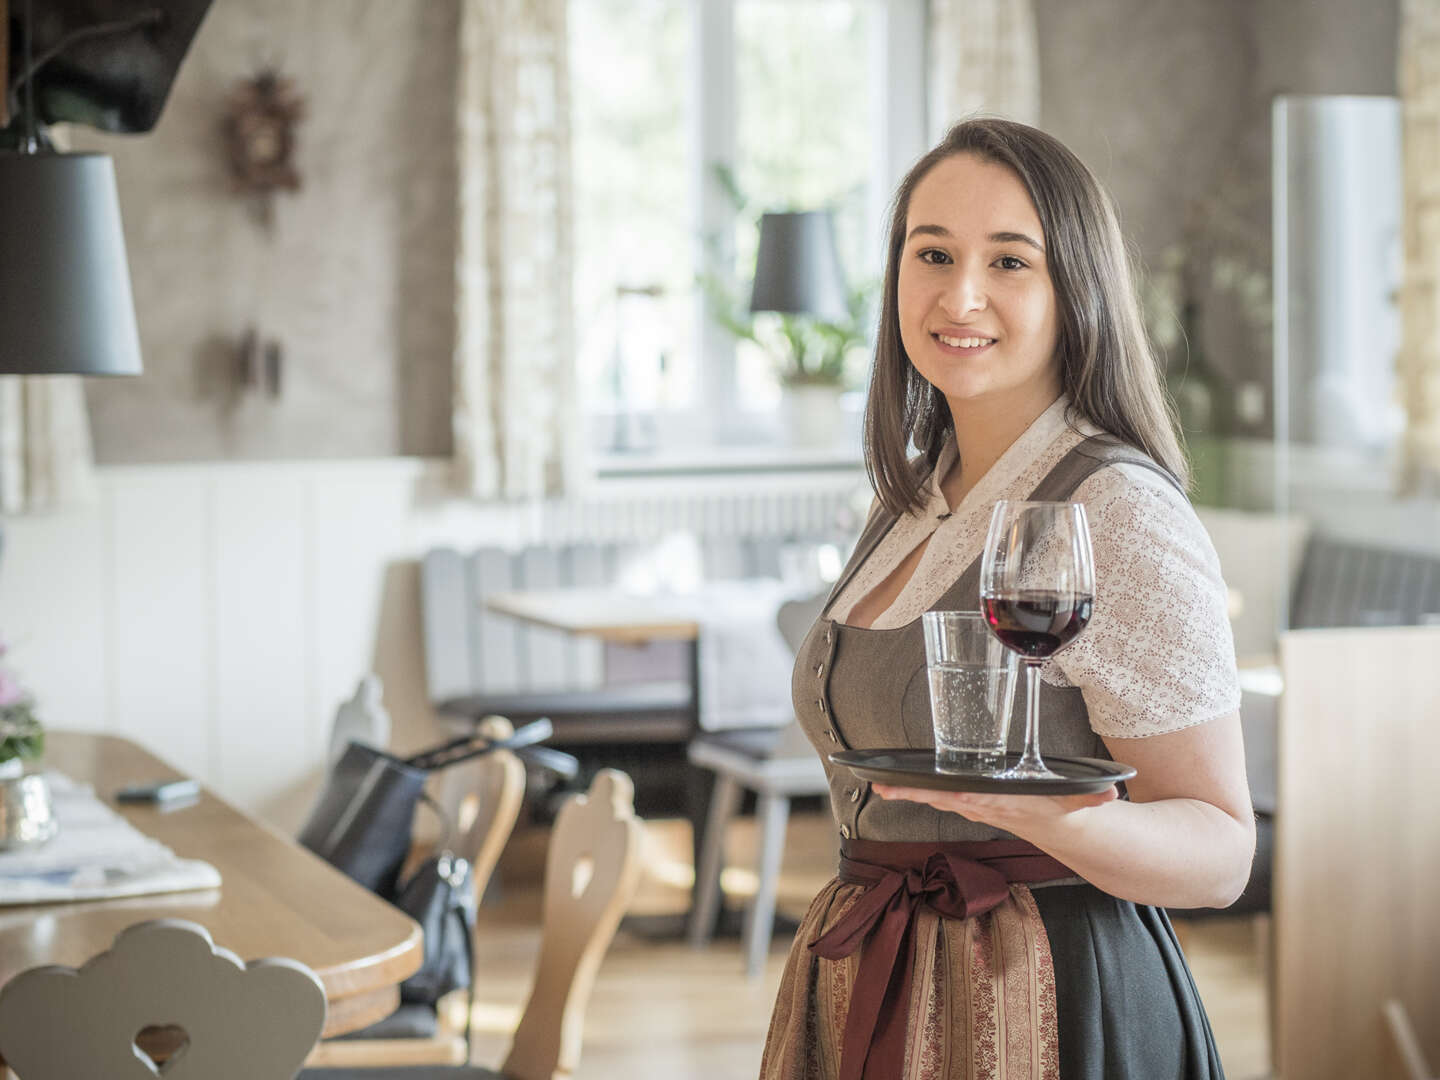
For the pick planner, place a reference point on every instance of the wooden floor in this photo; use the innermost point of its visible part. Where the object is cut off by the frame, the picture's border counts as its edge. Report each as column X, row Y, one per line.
column 664, row 1009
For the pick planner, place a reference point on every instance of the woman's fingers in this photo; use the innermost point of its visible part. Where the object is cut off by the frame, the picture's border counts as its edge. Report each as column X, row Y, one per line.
column 1003, row 811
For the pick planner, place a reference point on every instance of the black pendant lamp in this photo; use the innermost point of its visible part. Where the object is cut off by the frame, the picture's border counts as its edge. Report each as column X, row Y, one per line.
column 797, row 269
column 65, row 303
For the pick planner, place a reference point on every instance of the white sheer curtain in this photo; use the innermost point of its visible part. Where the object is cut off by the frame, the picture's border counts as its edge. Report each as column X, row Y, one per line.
column 46, row 459
column 983, row 60
column 1419, row 360
column 516, row 419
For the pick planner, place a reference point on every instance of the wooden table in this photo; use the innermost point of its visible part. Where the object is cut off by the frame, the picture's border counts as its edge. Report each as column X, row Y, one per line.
column 277, row 900
column 609, row 614
column 614, row 615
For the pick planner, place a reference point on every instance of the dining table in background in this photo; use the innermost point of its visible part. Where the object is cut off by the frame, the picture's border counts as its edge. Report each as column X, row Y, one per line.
column 620, row 616
column 611, row 614
column 276, row 899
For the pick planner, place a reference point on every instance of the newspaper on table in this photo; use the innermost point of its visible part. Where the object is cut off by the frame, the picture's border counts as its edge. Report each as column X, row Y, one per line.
column 95, row 855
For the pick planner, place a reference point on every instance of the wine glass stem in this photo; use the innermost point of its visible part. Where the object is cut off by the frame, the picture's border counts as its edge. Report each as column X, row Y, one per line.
column 1031, row 756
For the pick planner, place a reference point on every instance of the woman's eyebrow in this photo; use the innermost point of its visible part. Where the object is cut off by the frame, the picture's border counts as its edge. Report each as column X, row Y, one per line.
column 994, row 238
column 1015, row 238
column 928, row 230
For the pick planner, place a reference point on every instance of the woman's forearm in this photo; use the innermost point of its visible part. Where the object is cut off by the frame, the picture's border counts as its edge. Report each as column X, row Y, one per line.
column 1171, row 853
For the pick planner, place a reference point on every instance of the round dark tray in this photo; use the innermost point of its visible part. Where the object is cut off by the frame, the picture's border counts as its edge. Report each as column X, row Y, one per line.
column 917, row 768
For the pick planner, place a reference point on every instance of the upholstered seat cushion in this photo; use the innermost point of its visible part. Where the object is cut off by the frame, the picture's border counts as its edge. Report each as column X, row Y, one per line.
column 640, row 711
column 409, row 1021
column 405, row 1072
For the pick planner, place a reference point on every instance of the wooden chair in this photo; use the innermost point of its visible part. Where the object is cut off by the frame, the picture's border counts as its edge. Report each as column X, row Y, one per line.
column 777, row 765
column 480, row 800
column 162, row 993
column 591, row 872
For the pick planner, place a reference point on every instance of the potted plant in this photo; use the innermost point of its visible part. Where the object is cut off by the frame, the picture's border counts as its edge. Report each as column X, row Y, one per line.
column 22, row 739
column 813, row 357
column 27, row 815
column 814, row 353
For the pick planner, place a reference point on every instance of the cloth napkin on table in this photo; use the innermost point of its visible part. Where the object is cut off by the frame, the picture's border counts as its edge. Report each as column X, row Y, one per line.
column 95, row 855
column 744, row 663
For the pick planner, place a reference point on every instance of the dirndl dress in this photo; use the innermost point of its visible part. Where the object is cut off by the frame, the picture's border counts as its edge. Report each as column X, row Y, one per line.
column 1048, row 979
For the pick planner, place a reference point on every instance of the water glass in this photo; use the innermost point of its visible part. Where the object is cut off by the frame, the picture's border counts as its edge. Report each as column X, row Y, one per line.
column 972, row 691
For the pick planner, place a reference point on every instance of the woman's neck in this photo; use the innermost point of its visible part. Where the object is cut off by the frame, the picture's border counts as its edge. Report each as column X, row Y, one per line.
column 984, row 430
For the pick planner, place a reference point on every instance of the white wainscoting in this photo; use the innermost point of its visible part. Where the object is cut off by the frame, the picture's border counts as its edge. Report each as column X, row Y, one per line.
column 218, row 613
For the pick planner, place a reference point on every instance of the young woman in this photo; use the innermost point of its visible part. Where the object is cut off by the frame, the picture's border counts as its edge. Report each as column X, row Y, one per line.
column 977, row 936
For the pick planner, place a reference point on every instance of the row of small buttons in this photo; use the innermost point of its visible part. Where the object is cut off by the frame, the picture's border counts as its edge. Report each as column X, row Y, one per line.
column 853, row 793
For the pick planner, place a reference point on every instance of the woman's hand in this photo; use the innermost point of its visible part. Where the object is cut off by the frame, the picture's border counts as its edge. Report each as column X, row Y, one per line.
column 1184, row 838
column 1027, row 816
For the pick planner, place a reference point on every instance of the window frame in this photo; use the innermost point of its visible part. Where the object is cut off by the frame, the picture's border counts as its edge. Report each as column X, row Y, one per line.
column 899, row 102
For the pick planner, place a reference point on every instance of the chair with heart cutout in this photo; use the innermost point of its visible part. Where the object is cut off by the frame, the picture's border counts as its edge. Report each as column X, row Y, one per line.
column 164, row 1000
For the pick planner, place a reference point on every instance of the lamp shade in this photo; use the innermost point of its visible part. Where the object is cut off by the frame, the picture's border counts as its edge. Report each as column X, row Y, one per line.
column 798, row 267
column 65, row 303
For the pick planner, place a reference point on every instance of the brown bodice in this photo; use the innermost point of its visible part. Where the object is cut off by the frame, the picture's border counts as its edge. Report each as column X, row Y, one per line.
column 861, row 688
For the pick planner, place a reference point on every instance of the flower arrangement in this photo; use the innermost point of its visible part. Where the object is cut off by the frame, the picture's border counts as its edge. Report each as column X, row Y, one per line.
column 22, row 738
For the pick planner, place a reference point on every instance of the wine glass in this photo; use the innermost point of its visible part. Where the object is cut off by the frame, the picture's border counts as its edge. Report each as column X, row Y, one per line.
column 1037, row 590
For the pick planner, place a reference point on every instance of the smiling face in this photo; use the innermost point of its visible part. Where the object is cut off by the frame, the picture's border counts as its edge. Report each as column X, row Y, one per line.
column 976, row 307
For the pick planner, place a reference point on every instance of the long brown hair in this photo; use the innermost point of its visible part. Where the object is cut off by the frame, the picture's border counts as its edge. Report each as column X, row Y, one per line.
column 1107, row 365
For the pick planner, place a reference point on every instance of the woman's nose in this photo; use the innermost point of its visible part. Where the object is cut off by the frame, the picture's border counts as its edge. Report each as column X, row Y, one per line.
column 965, row 294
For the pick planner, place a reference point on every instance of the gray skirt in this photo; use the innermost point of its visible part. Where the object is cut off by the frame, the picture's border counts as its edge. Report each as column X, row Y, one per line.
column 1126, row 1004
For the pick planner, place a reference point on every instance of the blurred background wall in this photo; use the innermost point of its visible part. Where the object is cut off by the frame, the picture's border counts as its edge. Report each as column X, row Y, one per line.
column 1167, row 101
column 354, row 277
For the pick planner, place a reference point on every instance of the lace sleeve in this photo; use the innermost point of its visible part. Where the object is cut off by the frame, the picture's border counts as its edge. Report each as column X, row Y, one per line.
column 1158, row 654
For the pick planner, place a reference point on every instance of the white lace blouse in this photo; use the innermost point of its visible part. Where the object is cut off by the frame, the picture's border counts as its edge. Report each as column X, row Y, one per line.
column 1158, row 654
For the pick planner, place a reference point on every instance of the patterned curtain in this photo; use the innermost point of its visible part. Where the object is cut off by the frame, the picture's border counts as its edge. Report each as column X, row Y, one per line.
column 983, row 60
column 1419, row 360
column 516, row 420
column 45, row 455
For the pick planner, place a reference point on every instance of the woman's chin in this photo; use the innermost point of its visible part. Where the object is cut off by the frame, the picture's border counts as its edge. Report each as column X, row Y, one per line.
column 968, row 392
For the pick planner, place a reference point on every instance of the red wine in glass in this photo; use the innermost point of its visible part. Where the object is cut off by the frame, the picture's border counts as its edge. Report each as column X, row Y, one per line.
column 1037, row 623
column 1037, row 590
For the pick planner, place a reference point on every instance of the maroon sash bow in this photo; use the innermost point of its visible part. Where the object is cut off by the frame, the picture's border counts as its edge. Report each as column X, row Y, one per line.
column 957, row 880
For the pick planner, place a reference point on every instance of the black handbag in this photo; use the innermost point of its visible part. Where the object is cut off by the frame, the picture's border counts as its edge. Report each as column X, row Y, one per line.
column 361, row 823
column 440, row 896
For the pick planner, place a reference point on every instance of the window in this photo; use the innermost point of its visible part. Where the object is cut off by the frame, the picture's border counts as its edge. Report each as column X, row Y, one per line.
column 634, row 227
column 804, row 103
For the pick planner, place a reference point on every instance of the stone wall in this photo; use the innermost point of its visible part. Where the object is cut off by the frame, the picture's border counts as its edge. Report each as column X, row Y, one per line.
column 1170, row 104
column 354, row 278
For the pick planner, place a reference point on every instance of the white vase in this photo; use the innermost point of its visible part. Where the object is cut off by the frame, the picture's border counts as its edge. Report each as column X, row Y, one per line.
column 812, row 415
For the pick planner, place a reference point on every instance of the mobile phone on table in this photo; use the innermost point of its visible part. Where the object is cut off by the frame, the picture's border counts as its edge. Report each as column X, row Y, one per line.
column 161, row 791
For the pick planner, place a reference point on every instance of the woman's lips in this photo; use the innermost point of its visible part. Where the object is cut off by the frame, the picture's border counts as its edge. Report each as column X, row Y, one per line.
column 949, row 344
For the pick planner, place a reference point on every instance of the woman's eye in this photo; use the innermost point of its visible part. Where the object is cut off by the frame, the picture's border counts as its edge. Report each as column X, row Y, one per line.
column 1010, row 262
column 934, row 257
